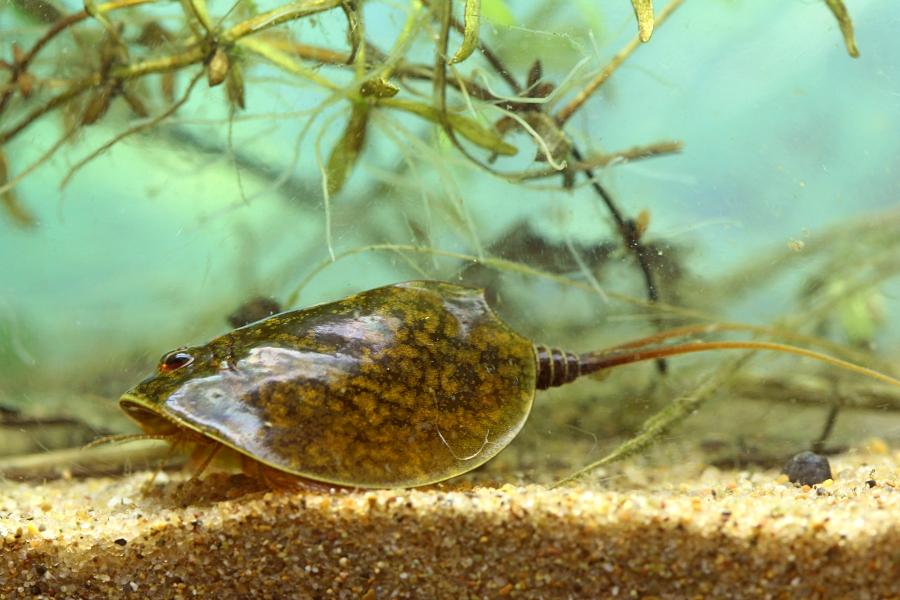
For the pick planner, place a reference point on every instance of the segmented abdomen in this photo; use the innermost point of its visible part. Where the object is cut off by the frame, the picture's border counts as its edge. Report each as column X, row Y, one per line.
column 555, row 367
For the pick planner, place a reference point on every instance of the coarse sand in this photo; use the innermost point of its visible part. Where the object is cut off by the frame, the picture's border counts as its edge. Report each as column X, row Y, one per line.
column 707, row 533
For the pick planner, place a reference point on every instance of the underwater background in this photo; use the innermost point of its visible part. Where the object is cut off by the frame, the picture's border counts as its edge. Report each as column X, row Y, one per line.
column 780, row 208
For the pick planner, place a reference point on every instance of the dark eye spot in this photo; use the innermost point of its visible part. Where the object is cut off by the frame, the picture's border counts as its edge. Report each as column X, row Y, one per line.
column 175, row 360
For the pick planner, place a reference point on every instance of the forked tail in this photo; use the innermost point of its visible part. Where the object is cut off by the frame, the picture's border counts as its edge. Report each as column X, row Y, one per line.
column 557, row 367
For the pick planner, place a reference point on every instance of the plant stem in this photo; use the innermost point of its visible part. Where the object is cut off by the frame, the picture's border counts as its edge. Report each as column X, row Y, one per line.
column 566, row 112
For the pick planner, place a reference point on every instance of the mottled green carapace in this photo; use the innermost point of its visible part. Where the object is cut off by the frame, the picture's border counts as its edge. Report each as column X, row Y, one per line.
column 398, row 386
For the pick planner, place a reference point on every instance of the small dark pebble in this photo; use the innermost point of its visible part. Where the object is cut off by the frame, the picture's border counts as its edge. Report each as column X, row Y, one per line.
column 807, row 468
column 120, row 541
column 871, row 483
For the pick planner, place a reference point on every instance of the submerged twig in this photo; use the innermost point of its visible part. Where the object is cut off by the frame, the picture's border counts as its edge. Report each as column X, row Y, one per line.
column 64, row 23
column 47, row 155
column 133, row 130
column 818, row 390
column 8, row 199
column 880, row 230
column 606, row 160
column 107, row 460
column 663, row 421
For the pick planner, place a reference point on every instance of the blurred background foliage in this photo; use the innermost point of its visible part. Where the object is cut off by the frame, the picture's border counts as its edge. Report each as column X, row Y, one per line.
column 163, row 162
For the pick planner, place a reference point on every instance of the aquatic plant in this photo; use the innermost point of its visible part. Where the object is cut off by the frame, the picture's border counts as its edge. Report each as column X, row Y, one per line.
column 119, row 45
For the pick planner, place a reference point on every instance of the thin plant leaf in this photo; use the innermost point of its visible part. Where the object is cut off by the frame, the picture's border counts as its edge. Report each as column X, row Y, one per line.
column 14, row 209
column 135, row 103
column 345, row 153
column 97, row 105
column 98, row 13
column 39, row 11
column 153, row 36
column 465, row 127
column 285, row 61
column 643, row 10
column 201, row 12
column 167, row 86
column 234, row 86
column 470, row 33
column 843, row 17
column 282, row 14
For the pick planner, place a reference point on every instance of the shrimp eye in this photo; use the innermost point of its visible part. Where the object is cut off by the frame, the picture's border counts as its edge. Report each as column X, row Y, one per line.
column 175, row 360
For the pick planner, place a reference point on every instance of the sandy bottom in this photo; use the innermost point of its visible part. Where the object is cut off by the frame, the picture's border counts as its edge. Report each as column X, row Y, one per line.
column 688, row 532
